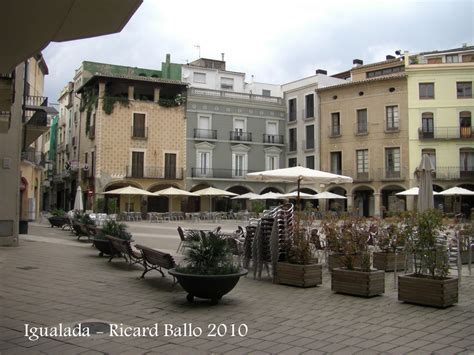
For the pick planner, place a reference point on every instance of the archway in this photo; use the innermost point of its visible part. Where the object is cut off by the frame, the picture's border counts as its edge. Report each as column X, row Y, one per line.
column 307, row 203
column 237, row 205
column 390, row 202
column 119, row 203
column 194, row 203
column 364, row 201
column 337, row 204
column 161, row 203
column 268, row 203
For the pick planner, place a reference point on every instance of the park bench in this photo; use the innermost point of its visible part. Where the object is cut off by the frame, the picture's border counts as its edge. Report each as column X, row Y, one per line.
column 126, row 251
column 155, row 260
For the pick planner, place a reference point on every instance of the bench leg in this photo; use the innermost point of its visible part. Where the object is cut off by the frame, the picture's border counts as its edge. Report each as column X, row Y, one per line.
column 179, row 246
column 145, row 271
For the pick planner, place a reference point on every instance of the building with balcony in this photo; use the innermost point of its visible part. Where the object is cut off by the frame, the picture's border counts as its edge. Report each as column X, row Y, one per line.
column 233, row 128
column 132, row 132
column 303, row 121
column 364, row 134
column 440, row 111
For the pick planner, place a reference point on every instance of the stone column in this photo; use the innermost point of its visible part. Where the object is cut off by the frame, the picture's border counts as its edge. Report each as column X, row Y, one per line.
column 410, row 203
column 349, row 203
column 377, row 204
column 131, row 92
column 101, row 89
column 156, row 97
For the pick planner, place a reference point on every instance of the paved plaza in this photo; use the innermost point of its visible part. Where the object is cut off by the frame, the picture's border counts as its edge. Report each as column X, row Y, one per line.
column 52, row 278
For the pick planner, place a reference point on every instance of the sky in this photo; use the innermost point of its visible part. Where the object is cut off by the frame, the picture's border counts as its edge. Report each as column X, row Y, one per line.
column 276, row 41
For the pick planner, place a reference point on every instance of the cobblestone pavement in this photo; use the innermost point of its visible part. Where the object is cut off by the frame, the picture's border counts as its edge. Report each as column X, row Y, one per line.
column 52, row 278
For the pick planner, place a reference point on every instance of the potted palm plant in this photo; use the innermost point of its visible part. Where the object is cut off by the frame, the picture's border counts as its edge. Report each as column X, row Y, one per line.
column 430, row 284
column 390, row 241
column 209, row 271
column 114, row 229
column 300, row 266
column 355, row 235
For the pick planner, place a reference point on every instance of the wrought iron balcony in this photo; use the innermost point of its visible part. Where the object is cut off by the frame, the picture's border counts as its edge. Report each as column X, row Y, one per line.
column 335, row 131
column 308, row 115
column 453, row 173
column 240, row 136
column 220, row 173
column 205, row 133
column 308, row 144
column 273, row 139
column 139, row 132
column 446, row 133
column 153, row 172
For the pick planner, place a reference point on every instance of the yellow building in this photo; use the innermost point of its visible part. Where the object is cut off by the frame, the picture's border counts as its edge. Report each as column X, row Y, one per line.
column 132, row 133
column 440, row 110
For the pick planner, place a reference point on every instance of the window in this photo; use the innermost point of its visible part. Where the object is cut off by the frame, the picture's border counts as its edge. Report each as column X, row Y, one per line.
column 170, row 166
column 362, row 121
column 362, row 159
column 310, row 161
column 309, row 137
column 335, row 124
column 427, row 125
column 426, row 90
column 292, row 110
column 239, row 164
column 227, row 83
column 466, row 162
column 454, row 58
column 199, row 78
column 431, row 153
column 266, row 92
column 204, row 129
column 392, row 121
column 464, row 89
column 92, row 169
column 137, row 164
column 309, row 110
column 336, row 162
column 292, row 162
column 239, row 129
column 387, row 71
column 392, row 162
column 465, row 124
column 272, row 162
column 292, row 139
column 203, row 163
column 138, row 129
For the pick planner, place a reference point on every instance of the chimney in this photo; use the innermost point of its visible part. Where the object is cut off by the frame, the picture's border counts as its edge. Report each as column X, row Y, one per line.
column 321, row 71
column 222, row 54
column 357, row 62
column 388, row 57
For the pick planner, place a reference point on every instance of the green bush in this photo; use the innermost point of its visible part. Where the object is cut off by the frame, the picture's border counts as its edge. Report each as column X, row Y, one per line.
column 114, row 229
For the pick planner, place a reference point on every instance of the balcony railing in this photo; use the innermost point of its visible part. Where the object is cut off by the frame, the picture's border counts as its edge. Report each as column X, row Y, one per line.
column 205, row 133
column 35, row 101
column 220, row 173
column 34, row 157
column 292, row 147
column 232, row 95
column 391, row 174
column 292, row 116
column 308, row 144
column 139, row 132
column 152, row 172
column 453, row 173
column 361, row 128
column 335, row 131
column 446, row 133
column 240, row 136
column 273, row 139
column 307, row 114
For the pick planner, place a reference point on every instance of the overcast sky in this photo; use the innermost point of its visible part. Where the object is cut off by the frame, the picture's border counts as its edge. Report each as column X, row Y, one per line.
column 276, row 41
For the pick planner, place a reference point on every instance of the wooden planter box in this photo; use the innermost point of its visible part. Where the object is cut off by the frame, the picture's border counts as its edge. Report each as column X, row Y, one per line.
column 334, row 261
column 358, row 283
column 427, row 291
column 299, row 275
column 386, row 261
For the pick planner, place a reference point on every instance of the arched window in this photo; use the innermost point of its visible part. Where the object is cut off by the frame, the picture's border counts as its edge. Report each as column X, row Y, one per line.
column 465, row 124
column 427, row 125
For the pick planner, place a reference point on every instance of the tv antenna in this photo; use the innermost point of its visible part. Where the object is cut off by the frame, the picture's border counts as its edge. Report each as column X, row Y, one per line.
column 199, row 49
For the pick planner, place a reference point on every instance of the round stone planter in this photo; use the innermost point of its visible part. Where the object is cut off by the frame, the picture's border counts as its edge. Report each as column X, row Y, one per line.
column 211, row 287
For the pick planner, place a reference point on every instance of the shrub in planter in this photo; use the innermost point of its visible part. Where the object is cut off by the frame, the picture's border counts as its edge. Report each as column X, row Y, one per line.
column 430, row 284
column 390, row 241
column 301, row 267
column 466, row 237
column 209, row 271
column 356, row 235
column 115, row 229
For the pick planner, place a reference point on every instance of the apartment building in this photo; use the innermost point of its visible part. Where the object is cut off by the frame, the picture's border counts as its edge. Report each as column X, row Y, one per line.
column 364, row 134
column 233, row 128
column 132, row 132
column 303, row 121
column 440, row 111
